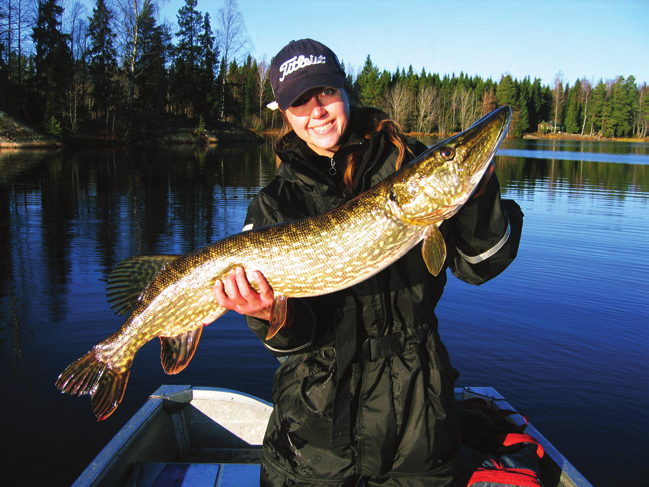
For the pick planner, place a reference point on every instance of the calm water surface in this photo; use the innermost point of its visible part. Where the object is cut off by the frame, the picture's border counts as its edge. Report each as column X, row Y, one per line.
column 562, row 333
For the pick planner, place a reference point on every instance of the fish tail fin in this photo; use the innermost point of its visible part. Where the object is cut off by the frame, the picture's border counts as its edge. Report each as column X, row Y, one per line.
column 176, row 352
column 89, row 375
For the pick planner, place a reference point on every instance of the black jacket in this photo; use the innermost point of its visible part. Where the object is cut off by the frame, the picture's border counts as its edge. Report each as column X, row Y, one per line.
column 401, row 403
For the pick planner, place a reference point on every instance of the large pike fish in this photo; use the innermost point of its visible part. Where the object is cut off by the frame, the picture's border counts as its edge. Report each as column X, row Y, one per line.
column 171, row 297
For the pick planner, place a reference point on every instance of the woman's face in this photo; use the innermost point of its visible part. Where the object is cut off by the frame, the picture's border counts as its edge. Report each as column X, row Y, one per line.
column 320, row 117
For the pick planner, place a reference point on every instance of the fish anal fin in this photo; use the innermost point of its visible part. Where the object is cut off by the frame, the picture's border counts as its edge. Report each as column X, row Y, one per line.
column 131, row 277
column 434, row 250
column 278, row 315
column 176, row 352
column 89, row 375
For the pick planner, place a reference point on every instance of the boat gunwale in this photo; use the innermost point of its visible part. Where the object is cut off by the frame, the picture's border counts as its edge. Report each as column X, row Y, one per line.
column 167, row 398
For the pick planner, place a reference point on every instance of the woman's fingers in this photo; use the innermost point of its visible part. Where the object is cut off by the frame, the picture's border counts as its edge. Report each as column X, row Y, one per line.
column 236, row 294
column 265, row 291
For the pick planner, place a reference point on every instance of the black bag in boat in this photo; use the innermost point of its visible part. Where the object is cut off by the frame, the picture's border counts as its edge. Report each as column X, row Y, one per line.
column 495, row 452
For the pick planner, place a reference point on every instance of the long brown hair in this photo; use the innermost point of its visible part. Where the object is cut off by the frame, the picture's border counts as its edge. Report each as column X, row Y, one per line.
column 378, row 122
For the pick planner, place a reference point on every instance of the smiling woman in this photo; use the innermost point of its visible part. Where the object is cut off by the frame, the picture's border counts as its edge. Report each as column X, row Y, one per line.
column 365, row 392
column 320, row 117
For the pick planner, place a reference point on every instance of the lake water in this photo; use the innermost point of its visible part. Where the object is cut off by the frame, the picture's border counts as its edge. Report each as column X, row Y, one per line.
column 562, row 334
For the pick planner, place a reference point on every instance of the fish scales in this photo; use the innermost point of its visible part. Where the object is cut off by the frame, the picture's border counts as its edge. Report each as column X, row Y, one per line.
column 302, row 258
column 368, row 242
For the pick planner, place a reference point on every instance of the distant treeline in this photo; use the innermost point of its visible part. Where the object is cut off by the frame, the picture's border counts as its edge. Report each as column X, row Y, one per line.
column 68, row 67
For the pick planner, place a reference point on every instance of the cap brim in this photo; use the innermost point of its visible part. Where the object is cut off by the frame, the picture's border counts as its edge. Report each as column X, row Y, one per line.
column 302, row 85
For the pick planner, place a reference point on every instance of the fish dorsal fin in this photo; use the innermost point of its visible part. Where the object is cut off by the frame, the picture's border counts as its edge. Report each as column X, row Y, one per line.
column 176, row 352
column 434, row 250
column 278, row 315
column 130, row 279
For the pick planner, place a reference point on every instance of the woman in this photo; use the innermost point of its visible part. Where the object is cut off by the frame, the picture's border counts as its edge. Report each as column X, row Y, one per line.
column 365, row 395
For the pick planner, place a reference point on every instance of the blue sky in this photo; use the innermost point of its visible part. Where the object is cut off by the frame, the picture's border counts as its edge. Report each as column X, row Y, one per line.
column 596, row 39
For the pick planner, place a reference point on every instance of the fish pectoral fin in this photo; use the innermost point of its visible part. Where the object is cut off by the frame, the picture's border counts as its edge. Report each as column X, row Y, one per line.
column 89, row 375
column 130, row 279
column 434, row 250
column 278, row 316
column 176, row 352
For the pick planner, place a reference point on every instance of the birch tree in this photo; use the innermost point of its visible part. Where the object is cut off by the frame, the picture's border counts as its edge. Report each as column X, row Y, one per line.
column 488, row 102
column 558, row 97
column 17, row 17
column 427, row 108
column 399, row 101
column 643, row 111
column 587, row 93
column 130, row 14
column 75, row 18
column 263, row 72
column 233, row 41
column 467, row 107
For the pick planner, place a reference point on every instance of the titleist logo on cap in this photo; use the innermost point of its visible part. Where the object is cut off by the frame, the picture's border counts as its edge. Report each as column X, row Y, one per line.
column 299, row 62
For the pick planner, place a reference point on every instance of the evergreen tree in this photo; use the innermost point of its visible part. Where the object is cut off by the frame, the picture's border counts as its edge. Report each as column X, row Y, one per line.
column 573, row 109
column 188, row 55
column 608, row 125
column 53, row 60
column 598, row 103
column 507, row 92
column 250, row 90
column 535, row 106
column 623, row 102
column 412, row 82
column 152, row 80
column 370, row 86
column 206, row 94
column 102, row 54
column 524, row 102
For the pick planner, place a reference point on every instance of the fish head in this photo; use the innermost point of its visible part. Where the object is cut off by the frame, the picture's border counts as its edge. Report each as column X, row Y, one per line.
column 434, row 186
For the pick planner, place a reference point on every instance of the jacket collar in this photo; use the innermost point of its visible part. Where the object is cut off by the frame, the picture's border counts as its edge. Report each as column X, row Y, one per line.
column 300, row 158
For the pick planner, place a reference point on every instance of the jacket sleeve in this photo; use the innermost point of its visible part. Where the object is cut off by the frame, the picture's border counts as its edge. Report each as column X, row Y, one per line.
column 300, row 335
column 482, row 238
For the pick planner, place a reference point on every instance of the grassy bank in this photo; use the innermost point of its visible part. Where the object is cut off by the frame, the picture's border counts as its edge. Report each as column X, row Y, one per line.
column 141, row 128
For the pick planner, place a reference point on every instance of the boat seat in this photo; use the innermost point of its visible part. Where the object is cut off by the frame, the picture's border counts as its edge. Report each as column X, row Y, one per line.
column 195, row 475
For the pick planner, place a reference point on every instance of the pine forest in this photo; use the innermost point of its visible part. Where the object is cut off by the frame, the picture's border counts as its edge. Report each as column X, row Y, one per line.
column 73, row 66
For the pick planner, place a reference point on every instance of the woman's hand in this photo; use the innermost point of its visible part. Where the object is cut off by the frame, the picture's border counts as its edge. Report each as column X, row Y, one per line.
column 236, row 294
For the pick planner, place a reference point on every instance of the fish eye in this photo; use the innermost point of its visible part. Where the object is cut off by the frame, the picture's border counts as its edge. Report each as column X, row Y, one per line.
column 447, row 153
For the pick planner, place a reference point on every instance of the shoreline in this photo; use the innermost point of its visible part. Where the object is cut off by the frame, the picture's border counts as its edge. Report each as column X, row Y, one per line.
column 15, row 134
column 145, row 128
column 540, row 136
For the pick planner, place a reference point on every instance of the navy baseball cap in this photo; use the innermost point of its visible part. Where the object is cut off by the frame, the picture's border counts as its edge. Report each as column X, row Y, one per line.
column 301, row 66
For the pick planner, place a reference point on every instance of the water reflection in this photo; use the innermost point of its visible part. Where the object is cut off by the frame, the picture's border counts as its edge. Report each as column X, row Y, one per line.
column 68, row 217
column 577, row 156
column 581, row 176
column 571, row 148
